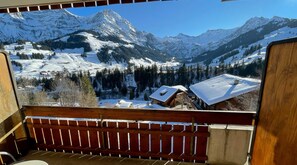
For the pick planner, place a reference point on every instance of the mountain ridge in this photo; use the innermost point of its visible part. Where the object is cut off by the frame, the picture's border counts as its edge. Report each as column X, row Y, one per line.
column 113, row 39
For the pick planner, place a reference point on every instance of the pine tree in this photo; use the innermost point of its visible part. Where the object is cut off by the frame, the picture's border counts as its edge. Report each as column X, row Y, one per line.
column 162, row 77
column 137, row 93
column 206, row 72
column 168, row 76
column 88, row 94
column 129, row 68
column 216, row 71
column 1, row 46
column 154, row 75
column 192, row 74
column 210, row 71
column 131, row 94
column 182, row 74
column 124, row 90
column 98, row 93
column 145, row 97
column 198, row 75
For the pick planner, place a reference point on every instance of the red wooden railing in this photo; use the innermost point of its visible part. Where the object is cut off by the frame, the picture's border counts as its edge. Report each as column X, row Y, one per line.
column 166, row 134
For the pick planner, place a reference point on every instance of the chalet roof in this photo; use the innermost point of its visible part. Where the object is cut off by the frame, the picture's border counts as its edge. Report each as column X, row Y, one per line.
column 180, row 87
column 124, row 104
column 166, row 92
column 223, row 87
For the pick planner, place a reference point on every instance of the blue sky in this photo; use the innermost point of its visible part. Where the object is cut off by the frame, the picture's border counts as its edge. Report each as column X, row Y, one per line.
column 193, row 17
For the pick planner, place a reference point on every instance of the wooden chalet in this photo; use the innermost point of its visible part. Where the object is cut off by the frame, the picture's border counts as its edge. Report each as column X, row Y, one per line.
column 214, row 92
column 166, row 95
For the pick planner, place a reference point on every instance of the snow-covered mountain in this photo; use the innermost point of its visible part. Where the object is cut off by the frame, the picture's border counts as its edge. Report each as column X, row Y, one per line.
column 256, row 31
column 106, row 39
column 52, row 24
column 184, row 46
column 45, row 25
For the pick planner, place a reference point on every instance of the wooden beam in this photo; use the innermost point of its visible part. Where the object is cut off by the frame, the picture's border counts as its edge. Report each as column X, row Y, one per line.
column 10, row 132
column 13, row 6
column 200, row 117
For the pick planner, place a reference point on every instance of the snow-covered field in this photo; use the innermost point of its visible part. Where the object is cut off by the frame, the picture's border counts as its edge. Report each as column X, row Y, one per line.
column 67, row 60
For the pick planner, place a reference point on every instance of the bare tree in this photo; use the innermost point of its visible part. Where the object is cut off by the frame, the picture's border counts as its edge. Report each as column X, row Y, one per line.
column 40, row 98
column 69, row 94
column 66, row 92
column 31, row 97
column 23, row 97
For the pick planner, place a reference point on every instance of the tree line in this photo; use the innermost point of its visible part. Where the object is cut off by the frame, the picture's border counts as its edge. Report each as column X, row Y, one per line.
column 151, row 77
column 63, row 90
column 81, row 89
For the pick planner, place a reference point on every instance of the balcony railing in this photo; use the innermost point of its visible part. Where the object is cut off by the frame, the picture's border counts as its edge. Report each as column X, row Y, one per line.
column 157, row 134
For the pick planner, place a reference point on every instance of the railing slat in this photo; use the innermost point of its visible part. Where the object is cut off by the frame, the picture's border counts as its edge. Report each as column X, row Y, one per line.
column 123, row 137
column 201, row 145
column 134, row 145
column 55, row 134
column 112, row 137
column 94, row 138
column 178, row 140
column 144, row 138
column 65, row 133
column 74, row 136
column 84, row 139
column 47, row 132
column 166, row 139
column 155, row 139
column 38, row 132
column 187, row 144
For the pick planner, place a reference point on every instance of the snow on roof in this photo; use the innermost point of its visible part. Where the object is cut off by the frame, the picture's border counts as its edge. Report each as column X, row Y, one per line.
column 221, row 88
column 164, row 93
column 180, row 87
column 124, row 104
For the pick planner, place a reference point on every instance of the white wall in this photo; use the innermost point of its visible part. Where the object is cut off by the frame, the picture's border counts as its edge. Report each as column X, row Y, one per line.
column 229, row 144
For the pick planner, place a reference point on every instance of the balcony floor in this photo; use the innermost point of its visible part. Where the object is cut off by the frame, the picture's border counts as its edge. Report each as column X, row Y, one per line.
column 60, row 158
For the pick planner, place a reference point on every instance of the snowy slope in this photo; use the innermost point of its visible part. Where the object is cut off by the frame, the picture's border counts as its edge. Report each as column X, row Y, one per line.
column 184, row 46
column 251, row 24
column 279, row 34
column 43, row 25
column 68, row 60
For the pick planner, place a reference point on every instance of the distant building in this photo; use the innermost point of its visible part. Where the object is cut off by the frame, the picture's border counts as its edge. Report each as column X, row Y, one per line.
column 166, row 95
column 212, row 93
column 124, row 104
column 113, row 103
